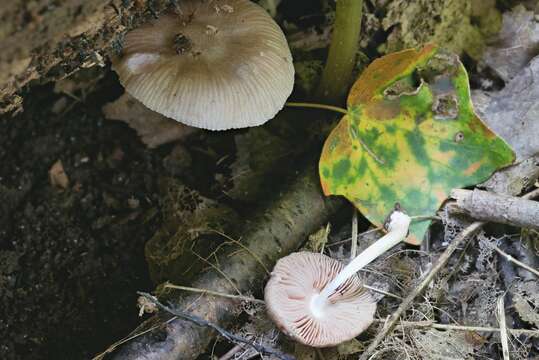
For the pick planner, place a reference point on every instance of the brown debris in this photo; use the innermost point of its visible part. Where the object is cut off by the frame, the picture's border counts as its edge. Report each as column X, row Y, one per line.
column 153, row 128
column 71, row 35
column 57, row 176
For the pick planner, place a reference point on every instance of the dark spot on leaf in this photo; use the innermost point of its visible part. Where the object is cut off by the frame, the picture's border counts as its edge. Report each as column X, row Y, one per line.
column 420, row 118
column 445, row 107
column 362, row 166
column 340, row 169
column 417, row 145
column 325, row 172
column 391, row 129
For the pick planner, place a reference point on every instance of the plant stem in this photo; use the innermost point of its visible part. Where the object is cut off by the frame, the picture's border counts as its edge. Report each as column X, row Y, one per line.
column 342, row 51
column 317, row 106
column 398, row 229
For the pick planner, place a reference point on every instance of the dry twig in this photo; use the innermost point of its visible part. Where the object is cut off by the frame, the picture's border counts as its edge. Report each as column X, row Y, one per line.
column 515, row 261
column 227, row 335
column 353, row 249
column 433, row 325
column 214, row 293
column 503, row 209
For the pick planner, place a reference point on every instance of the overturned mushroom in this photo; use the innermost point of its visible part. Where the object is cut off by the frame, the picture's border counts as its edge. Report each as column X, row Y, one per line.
column 318, row 301
column 291, row 300
column 216, row 65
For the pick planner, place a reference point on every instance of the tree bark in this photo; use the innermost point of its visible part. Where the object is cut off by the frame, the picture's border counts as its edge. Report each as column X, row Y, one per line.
column 272, row 234
column 43, row 40
column 503, row 209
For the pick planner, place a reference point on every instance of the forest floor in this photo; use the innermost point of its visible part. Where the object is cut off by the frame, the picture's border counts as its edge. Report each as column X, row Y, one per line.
column 72, row 243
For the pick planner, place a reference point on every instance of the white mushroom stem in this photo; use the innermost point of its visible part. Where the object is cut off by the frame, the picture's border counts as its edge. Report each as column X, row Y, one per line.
column 397, row 231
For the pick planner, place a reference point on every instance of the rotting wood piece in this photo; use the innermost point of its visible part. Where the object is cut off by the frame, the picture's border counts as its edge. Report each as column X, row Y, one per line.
column 272, row 234
column 503, row 209
column 47, row 42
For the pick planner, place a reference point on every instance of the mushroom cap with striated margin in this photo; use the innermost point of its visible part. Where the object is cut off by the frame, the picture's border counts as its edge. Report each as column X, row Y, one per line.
column 215, row 65
column 300, row 276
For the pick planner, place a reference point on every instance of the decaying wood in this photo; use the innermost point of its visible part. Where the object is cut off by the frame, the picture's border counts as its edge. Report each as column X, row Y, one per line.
column 504, row 209
column 45, row 41
column 278, row 230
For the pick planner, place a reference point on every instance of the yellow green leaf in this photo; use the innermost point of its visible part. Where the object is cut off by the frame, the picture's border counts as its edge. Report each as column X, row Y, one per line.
column 410, row 136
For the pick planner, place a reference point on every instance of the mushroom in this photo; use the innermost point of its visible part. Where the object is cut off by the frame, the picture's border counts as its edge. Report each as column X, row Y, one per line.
column 216, row 64
column 319, row 302
column 291, row 301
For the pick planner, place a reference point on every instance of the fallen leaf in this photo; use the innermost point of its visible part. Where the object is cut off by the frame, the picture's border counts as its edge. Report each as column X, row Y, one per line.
column 513, row 111
column 515, row 45
column 57, row 176
column 153, row 128
column 410, row 136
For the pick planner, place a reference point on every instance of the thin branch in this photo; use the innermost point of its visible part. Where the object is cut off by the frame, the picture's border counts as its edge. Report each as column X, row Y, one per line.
column 224, row 333
column 380, row 228
column 419, row 218
column 381, row 291
column 433, row 325
column 230, row 353
column 214, row 293
column 317, row 106
column 353, row 248
column 515, row 261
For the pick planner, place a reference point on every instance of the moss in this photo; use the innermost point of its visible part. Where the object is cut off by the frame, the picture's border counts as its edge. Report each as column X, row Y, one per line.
column 458, row 25
column 308, row 74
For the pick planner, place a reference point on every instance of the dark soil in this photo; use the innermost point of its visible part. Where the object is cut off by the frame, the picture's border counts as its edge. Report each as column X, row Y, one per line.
column 71, row 260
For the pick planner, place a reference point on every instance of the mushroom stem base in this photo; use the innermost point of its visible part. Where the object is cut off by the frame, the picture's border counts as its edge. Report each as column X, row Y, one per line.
column 317, row 305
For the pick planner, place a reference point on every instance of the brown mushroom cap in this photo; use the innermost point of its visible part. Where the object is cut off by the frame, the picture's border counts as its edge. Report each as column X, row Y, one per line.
column 216, row 65
column 299, row 277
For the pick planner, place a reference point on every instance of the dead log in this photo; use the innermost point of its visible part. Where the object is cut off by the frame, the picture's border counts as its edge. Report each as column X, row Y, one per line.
column 278, row 230
column 46, row 41
column 503, row 209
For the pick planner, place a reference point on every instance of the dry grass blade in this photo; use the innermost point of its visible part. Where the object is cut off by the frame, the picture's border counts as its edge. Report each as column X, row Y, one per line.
column 503, row 328
column 213, row 293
